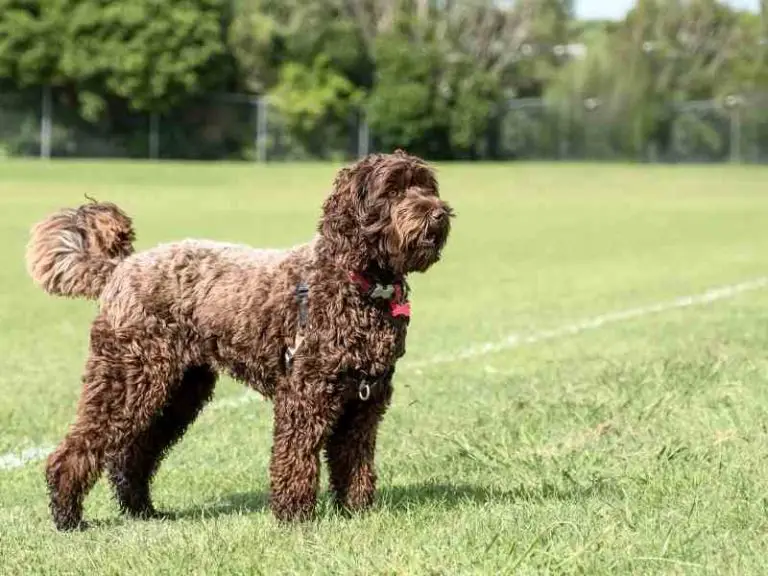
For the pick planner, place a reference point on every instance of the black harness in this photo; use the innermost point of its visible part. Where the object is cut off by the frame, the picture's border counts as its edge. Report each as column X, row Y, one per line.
column 302, row 300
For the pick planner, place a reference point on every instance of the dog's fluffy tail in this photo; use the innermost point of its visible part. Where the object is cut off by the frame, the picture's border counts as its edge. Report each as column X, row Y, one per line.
column 73, row 252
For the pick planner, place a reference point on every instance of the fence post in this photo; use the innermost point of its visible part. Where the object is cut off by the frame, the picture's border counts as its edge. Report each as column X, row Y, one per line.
column 735, row 134
column 154, row 135
column 46, row 123
column 261, row 129
column 363, row 135
column 563, row 127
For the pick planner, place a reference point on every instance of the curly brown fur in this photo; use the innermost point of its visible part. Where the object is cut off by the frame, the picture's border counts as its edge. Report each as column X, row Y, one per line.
column 131, row 471
column 75, row 251
column 172, row 317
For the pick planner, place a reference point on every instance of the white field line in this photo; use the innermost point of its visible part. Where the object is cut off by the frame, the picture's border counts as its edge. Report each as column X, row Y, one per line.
column 517, row 340
column 13, row 460
column 20, row 458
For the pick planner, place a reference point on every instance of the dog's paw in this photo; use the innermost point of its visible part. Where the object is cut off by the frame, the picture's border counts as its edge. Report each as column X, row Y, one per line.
column 147, row 513
column 68, row 527
column 293, row 512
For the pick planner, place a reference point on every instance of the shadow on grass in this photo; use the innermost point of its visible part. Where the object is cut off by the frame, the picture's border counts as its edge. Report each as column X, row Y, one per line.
column 405, row 498
column 238, row 503
column 443, row 495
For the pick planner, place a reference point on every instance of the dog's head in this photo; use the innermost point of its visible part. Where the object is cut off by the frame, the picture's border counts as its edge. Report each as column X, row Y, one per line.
column 385, row 211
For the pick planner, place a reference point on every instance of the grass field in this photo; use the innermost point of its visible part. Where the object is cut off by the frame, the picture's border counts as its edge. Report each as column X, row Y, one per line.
column 636, row 446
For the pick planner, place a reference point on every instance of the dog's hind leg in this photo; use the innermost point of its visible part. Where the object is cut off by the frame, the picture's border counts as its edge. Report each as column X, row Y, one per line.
column 350, row 450
column 132, row 469
column 126, row 383
column 73, row 468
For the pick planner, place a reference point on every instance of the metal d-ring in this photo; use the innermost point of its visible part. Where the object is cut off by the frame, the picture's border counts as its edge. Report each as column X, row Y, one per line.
column 364, row 391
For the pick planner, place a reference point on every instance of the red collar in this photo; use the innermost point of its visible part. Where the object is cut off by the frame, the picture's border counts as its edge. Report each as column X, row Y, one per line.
column 396, row 293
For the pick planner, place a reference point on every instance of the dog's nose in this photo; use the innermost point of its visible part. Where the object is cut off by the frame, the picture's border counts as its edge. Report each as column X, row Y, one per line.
column 439, row 214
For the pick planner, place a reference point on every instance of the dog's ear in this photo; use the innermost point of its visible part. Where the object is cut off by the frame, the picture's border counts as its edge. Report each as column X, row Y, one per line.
column 342, row 177
column 356, row 181
column 340, row 222
column 352, row 179
column 344, row 204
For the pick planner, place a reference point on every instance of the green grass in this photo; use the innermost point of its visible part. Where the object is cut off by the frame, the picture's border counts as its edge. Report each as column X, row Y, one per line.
column 639, row 447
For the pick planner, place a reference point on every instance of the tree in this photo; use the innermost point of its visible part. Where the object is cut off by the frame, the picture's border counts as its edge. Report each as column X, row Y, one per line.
column 152, row 55
column 309, row 60
column 666, row 52
column 408, row 106
column 30, row 41
column 316, row 104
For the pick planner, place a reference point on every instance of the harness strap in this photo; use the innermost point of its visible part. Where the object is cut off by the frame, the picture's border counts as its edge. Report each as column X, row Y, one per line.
column 399, row 306
column 302, row 297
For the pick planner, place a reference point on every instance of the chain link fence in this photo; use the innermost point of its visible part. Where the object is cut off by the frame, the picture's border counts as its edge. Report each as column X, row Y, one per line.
column 20, row 117
column 50, row 123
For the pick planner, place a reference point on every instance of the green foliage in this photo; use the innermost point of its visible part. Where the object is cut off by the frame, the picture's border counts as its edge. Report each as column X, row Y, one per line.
column 310, row 61
column 31, row 37
column 665, row 53
column 19, row 123
column 406, row 106
column 477, row 94
column 312, row 99
column 432, row 77
column 255, row 42
column 152, row 55
column 429, row 98
column 549, row 28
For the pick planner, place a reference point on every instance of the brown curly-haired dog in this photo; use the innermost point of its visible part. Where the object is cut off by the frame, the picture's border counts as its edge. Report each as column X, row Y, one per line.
column 317, row 328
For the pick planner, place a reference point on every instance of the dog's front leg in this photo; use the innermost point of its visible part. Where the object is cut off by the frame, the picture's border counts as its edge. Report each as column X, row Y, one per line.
column 304, row 413
column 351, row 447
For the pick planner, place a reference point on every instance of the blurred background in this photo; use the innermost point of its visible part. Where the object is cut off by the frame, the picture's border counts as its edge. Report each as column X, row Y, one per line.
column 277, row 80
